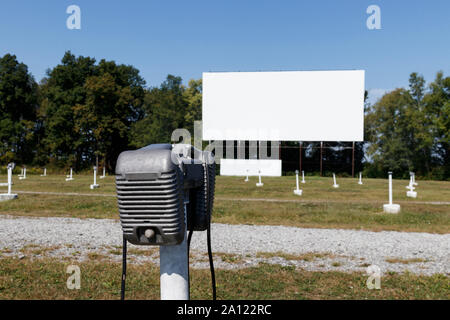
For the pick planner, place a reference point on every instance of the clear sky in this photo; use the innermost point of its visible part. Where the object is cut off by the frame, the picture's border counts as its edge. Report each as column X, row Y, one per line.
column 188, row 37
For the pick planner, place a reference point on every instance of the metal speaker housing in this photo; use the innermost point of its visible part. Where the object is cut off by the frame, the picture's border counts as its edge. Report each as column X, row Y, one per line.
column 150, row 195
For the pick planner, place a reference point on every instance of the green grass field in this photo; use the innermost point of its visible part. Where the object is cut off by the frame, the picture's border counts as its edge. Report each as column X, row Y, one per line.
column 351, row 206
column 46, row 279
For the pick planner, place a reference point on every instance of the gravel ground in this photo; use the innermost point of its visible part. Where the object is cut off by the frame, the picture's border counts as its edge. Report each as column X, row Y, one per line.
column 235, row 246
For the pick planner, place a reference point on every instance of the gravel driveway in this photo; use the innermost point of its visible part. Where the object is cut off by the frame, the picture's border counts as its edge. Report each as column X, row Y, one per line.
column 238, row 246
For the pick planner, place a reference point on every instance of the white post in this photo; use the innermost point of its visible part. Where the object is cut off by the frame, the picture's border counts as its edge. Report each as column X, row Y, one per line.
column 297, row 191
column 334, row 180
column 95, row 185
column 21, row 173
column 70, row 177
column 45, row 173
column 390, row 188
column 360, row 178
column 391, row 207
column 414, row 179
column 411, row 193
column 24, row 176
column 259, row 184
column 410, row 181
column 246, row 178
column 104, row 173
column 9, row 180
column 9, row 195
column 303, row 177
column 174, row 271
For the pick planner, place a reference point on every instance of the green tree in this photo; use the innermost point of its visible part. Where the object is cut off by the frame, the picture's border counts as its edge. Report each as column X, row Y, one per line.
column 112, row 104
column 193, row 97
column 437, row 109
column 387, row 132
column 165, row 110
column 420, row 137
column 87, row 110
column 408, row 130
column 18, row 107
column 62, row 90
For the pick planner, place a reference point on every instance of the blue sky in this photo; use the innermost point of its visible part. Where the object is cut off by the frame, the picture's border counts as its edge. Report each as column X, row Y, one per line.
column 186, row 38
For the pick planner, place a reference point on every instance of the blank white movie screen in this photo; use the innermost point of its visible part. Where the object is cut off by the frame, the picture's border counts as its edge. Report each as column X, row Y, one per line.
column 284, row 106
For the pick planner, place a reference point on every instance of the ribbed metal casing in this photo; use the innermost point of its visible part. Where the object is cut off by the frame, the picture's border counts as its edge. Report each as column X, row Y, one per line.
column 150, row 199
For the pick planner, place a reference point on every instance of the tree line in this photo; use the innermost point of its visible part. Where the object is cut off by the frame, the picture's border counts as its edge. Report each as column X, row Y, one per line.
column 84, row 110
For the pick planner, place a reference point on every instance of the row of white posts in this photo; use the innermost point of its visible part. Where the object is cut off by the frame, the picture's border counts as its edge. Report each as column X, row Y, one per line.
column 297, row 191
column 23, row 176
column 388, row 208
column 92, row 186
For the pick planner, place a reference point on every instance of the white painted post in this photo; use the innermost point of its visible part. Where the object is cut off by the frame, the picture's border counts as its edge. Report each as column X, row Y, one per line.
column 24, row 174
column 390, row 207
column 9, row 180
column 259, row 184
column 104, row 173
column 246, row 178
column 303, row 177
column 9, row 195
column 45, row 173
column 297, row 191
column 410, row 181
column 411, row 193
column 95, row 185
column 360, row 178
column 70, row 177
column 414, row 179
column 174, row 271
column 390, row 188
column 21, row 173
column 334, row 180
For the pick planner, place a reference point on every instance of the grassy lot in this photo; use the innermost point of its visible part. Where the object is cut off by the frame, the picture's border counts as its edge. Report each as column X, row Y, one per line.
column 315, row 189
column 46, row 279
column 351, row 206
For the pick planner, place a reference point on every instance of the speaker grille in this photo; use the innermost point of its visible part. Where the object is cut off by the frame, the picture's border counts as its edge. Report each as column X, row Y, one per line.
column 151, row 203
